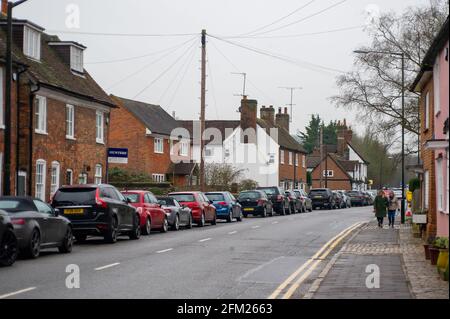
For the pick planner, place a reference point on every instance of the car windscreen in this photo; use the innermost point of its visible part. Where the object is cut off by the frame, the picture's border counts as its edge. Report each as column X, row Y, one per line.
column 167, row 201
column 318, row 192
column 75, row 196
column 269, row 191
column 184, row 197
column 216, row 197
column 14, row 206
column 249, row 195
column 133, row 197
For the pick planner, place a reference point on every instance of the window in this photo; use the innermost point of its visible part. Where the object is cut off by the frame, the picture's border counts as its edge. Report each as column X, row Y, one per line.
column 32, row 43
column 290, row 158
column 296, row 160
column 437, row 89
column 159, row 146
column 159, row 178
column 329, row 173
column 70, row 121
column 55, row 178
column 184, row 149
column 271, row 158
column 40, row 179
column 427, row 111
column 76, row 59
column 2, row 100
column 98, row 174
column 209, row 152
column 82, row 178
column 440, row 184
column 282, row 157
column 172, row 151
column 69, row 177
column 43, row 207
column 426, row 194
column 41, row 115
column 304, row 161
column 99, row 127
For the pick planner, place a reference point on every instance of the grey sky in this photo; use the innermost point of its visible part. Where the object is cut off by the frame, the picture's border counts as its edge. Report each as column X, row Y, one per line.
column 222, row 18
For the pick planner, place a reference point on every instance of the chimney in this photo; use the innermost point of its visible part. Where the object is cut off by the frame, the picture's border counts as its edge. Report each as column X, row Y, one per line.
column 268, row 115
column 282, row 119
column 4, row 8
column 249, row 112
column 341, row 138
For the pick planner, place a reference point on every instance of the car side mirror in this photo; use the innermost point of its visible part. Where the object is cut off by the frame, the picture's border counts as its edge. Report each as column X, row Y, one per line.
column 56, row 212
column 127, row 200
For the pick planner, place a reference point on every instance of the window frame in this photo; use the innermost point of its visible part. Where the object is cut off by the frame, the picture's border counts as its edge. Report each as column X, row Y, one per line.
column 40, row 115
column 100, row 127
column 76, row 60
column 40, row 194
column 70, row 182
column 70, row 121
column 184, row 148
column 291, row 159
column 97, row 176
column 427, row 111
column 159, row 178
column 282, row 157
column 31, row 43
column 55, row 184
column 158, row 141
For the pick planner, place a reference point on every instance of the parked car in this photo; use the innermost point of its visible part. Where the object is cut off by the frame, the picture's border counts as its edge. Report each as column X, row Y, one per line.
column 227, row 207
column 357, row 198
column 367, row 198
column 37, row 225
column 294, row 201
column 304, row 198
column 370, row 197
column 255, row 202
column 279, row 200
column 203, row 210
column 323, row 198
column 346, row 199
column 177, row 215
column 339, row 200
column 151, row 215
column 99, row 210
column 8, row 241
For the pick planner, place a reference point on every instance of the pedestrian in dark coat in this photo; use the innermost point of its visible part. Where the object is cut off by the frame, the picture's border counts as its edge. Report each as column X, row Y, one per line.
column 380, row 206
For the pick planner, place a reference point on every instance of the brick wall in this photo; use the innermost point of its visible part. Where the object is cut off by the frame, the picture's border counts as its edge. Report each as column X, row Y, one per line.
column 339, row 181
column 288, row 172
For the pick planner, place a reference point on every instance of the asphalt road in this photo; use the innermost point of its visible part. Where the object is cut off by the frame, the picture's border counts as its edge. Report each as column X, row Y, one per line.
column 231, row 260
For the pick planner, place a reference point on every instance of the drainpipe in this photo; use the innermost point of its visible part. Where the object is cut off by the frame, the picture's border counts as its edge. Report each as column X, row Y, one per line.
column 33, row 91
column 21, row 71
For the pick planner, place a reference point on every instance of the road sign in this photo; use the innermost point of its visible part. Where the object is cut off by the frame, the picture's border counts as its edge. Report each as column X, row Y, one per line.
column 118, row 155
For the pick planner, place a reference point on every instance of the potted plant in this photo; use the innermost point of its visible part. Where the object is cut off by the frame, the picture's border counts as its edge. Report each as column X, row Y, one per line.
column 434, row 252
column 442, row 262
column 426, row 247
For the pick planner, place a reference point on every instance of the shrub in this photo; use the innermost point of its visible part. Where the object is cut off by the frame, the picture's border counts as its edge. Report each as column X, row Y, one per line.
column 414, row 184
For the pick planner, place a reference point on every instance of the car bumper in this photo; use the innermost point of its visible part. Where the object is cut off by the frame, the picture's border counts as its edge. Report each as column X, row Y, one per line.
column 89, row 228
column 259, row 210
column 222, row 212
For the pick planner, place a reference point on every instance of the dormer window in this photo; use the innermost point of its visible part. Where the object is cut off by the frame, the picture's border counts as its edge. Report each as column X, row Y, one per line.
column 76, row 59
column 32, row 43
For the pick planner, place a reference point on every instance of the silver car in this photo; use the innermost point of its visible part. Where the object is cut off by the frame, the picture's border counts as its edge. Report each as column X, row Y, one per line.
column 177, row 215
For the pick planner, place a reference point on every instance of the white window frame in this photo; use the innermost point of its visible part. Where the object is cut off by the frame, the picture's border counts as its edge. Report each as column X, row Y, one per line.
column 291, row 159
column 159, row 178
column 40, row 179
column 70, row 122
column 171, row 147
column 437, row 88
column 440, row 184
column 76, row 59
column 296, row 160
column 426, row 192
column 55, row 178
column 98, row 174
column 304, row 161
column 82, row 178
column 100, row 127
column 32, row 43
column 427, row 111
column 69, row 171
column 158, row 145
column 330, row 173
column 2, row 99
column 184, row 148
column 41, row 115
column 282, row 155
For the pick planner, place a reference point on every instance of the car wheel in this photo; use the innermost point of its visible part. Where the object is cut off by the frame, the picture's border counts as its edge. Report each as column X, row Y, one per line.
column 283, row 210
column 264, row 214
column 34, row 246
column 230, row 217
column 245, row 215
column 189, row 225
column 176, row 224
column 147, row 227
column 111, row 235
column 67, row 243
column 165, row 226
column 136, row 232
column 214, row 221
column 202, row 221
column 240, row 217
column 8, row 248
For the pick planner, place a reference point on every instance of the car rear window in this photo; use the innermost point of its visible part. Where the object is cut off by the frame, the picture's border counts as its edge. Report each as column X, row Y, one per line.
column 14, row 206
column 215, row 197
column 134, row 198
column 269, row 190
column 250, row 195
column 166, row 201
column 318, row 191
column 184, row 197
column 75, row 196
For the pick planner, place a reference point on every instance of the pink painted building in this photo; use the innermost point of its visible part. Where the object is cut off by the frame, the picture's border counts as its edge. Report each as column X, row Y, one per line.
column 435, row 71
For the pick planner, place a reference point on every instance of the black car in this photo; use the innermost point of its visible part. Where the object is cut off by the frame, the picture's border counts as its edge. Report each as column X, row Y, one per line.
column 294, row 201
column 254, row 203
column 99, row 210
column 177, row 215
column 279, row 200
column 8, row 241
column 357, row 198
column 323, row 198
column 37, row 225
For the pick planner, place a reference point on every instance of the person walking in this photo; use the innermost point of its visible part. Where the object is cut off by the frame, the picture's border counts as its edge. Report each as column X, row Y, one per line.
column 392, row 208
column 380, row 206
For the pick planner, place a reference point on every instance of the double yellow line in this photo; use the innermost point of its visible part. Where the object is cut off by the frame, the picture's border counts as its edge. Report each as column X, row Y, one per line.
column 315, row 260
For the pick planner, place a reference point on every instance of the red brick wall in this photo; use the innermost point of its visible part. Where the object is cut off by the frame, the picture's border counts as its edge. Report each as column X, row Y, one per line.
column 288, row 172
column 339, row 181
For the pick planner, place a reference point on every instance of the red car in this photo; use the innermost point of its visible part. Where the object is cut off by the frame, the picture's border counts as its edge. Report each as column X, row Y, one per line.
column 203, row 211
column 152, row 216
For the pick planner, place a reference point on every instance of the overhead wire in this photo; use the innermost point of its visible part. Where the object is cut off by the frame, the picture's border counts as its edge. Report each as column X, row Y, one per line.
column 124, row 34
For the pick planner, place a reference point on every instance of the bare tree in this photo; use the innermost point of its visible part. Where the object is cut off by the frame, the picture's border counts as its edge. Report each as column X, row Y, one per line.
column 221, row 175
column 374, row 88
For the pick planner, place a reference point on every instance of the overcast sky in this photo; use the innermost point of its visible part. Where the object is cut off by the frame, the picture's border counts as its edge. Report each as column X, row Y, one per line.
column 169, row 74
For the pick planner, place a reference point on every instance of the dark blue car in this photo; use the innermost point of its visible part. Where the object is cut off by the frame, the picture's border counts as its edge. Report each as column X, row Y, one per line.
column 227, row 207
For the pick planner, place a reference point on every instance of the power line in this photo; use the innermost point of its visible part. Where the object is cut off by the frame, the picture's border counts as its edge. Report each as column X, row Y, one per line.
column 124, row 34
column 303, row 19
column 281, row 19
column 164, row 72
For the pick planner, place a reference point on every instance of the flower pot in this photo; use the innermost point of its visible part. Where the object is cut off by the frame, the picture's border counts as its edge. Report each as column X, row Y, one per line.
column 434, row 255
column 426, row 248
column 442, row 261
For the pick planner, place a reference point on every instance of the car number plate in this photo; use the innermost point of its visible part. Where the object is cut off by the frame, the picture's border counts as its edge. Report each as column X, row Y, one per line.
column 248, row 209
column 79, row 211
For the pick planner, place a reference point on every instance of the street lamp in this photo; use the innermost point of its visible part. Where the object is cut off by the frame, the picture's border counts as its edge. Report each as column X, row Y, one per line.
column 402, row 55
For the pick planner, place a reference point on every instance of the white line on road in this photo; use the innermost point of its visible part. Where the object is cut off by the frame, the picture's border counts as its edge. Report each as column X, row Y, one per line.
column 232, row 232
column 255, row 227
column 274, row 223
column 164, row 251
column 17, row 292
column 203, row 240
column 107, row 266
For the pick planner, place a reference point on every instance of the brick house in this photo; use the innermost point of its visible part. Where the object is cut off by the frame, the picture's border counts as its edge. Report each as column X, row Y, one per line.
column 432, row 84
column 146, row 130
column 60, row 135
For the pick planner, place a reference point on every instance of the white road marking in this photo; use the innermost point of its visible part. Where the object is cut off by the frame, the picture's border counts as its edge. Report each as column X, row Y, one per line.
column 255, row 227
column 203, row 240
column 232, row 233
column 17, row 292
column 164, row 251
column 274, row 223
column 107, row 266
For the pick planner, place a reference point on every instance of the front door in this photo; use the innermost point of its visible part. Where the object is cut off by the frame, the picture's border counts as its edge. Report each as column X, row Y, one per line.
column 22, row 184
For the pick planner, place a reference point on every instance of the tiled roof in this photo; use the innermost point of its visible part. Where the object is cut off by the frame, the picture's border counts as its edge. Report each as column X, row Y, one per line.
column 182, row 168
column 225, row 128
column 285, row 139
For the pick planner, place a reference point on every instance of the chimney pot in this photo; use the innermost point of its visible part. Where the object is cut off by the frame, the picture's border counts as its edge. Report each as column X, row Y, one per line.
column 271, row 106
column 285, row 110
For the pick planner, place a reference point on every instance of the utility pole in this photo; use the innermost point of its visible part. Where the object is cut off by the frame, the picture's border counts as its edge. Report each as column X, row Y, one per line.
column 326, row 167
column 292, row 89
column 402, row 210
column 202, row 114
column 321, row 155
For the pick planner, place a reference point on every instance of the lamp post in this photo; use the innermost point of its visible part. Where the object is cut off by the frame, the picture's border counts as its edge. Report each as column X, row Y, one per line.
column 402, row 56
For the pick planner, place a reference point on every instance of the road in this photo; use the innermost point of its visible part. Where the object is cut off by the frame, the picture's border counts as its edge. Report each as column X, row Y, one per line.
column 231, row 260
